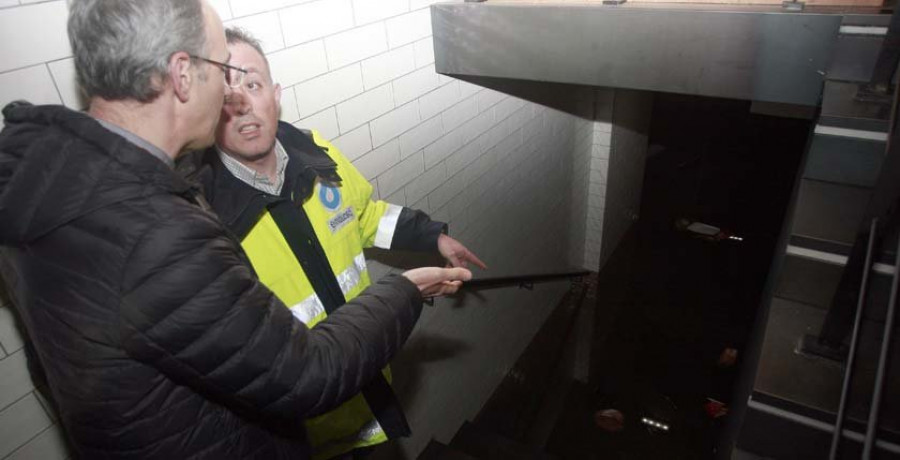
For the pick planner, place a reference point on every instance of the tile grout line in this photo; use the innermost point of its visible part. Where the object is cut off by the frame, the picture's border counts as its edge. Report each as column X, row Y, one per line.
column 30, row 392
column 25, row 444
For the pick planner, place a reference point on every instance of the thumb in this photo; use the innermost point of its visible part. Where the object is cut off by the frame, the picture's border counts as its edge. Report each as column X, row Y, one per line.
column 458, row 274
column 426, row 277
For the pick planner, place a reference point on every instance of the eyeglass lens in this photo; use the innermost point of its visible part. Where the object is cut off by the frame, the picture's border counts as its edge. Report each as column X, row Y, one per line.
column 233, row 77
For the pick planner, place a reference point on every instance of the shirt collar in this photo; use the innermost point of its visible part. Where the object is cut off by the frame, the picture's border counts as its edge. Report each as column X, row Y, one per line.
column 138, row 141
column 254, row 179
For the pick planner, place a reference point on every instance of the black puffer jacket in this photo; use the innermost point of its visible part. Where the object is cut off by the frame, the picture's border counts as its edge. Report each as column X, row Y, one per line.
column 156, row 338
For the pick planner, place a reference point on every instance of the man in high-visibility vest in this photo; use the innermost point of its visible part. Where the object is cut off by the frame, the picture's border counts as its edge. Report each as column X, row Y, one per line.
column 303, row 214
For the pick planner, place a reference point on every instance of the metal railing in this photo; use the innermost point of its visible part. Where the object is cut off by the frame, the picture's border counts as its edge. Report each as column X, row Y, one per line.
column 526, row 281
column 881, row 373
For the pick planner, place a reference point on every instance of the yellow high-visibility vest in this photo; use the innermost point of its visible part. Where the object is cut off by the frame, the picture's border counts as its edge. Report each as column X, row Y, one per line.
column 345, row 221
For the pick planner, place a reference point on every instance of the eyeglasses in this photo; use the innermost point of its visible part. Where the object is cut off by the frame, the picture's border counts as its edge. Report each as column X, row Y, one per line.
column 234, row 76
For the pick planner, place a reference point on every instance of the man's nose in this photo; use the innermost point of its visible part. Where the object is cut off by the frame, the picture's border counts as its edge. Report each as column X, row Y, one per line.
column 236, row 102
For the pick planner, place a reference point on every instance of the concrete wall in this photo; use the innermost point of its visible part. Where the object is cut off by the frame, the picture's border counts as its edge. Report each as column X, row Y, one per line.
column 509, row 173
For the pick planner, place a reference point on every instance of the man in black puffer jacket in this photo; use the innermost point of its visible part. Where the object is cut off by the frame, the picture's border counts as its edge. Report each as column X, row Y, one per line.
column 156, row 338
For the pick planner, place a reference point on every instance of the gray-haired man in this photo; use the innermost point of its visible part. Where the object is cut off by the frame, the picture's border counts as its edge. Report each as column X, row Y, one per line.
column 156, row 338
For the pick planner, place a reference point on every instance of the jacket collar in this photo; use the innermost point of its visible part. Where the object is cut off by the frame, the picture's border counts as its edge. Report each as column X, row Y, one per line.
column 239, row 205
column 57, row 164
column 306, row 162
column 119, row 149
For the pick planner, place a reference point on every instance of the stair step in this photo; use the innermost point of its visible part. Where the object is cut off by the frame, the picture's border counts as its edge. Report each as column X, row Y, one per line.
column 438, row 451
column 807, row 280
column 857, row 47
column 480, row 442
column 821, row 250
column 836, row 254
column 515, row 406
column 840, row 109
column 828, row 211
column 813, row 282
column 774, row 428
column 792, row 409
column 855, row 53
column 866, row 20
column 814, row 383
column 845, row 160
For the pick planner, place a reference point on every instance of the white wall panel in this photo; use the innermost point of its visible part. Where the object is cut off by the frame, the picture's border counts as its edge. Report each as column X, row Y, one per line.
column 318, row 19
column 33, row 34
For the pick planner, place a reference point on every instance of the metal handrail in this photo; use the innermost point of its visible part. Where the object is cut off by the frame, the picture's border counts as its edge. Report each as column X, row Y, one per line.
column 875, row 406
column 854, row 340
column 525, row 281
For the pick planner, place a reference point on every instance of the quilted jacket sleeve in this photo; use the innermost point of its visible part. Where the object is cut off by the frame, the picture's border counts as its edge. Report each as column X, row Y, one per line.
column 192, row 309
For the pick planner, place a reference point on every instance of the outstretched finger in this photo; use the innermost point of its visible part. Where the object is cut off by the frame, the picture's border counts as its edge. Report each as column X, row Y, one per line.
column 470, row 256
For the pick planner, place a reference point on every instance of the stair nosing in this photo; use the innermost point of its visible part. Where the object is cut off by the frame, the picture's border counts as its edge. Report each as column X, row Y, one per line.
column 834, row 259
column 860, row 134
column 868, row 31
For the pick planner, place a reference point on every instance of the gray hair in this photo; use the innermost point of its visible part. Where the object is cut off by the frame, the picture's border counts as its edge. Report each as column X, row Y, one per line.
column 121, row 45
column 234, row 35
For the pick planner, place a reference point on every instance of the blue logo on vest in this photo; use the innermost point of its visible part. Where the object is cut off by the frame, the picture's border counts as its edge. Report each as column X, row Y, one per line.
column 330, row 197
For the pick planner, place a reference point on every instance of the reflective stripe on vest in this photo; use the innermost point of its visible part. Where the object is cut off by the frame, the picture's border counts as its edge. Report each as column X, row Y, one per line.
column 310, row 309
column 350, row 278
column 369, row 435
column 386, row 226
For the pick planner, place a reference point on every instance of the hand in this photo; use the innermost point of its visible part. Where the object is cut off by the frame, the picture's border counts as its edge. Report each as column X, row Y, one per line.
column 436, row 281
column 457, row 254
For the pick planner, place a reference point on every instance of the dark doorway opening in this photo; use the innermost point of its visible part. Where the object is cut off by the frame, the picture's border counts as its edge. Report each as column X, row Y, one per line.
column 690, row 276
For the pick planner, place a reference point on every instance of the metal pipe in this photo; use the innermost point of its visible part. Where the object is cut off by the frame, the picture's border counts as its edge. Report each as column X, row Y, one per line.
column 872, row 424
column 490, row 282
column 854, row 340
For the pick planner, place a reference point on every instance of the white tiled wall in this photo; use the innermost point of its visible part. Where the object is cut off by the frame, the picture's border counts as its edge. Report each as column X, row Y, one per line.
column 631, row 115
column 513, row 178
column 601, row 142
column 617, row 132
column 27, row 429
column 34, row 44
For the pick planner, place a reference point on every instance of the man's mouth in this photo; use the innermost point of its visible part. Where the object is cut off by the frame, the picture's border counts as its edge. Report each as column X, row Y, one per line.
column 249, row 129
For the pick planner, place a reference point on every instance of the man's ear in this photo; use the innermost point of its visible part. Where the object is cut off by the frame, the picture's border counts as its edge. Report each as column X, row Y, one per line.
column 180, row 75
